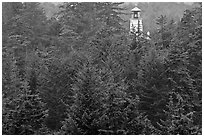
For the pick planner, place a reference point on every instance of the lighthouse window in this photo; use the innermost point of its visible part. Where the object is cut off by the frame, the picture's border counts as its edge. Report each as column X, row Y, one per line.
column 135, row 15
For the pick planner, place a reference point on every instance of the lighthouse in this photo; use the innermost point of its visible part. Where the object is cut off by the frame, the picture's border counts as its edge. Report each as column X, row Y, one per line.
column 136, row 21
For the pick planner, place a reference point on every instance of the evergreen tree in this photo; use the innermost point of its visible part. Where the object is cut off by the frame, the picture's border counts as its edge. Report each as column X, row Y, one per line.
column 177, row 120
column 189, row 42
column 81, row 73
column 165, row 32
column 152, row 85
column 83, row 20
column 102, row 106
column 25, row 113
column 55, row 80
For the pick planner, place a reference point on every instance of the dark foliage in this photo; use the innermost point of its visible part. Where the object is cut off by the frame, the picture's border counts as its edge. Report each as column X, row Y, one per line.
column 81, row 73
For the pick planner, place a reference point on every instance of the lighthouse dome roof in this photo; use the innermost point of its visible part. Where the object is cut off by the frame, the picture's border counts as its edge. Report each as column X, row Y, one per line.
column 136, row 9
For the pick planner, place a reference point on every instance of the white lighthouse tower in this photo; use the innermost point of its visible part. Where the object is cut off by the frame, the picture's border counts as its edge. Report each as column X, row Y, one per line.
column 136, row 21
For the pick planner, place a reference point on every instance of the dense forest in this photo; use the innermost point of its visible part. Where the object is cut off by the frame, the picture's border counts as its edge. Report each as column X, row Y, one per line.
column 81, row 72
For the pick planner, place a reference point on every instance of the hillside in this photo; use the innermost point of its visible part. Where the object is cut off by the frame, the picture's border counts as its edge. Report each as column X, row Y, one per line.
column 82, row 73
